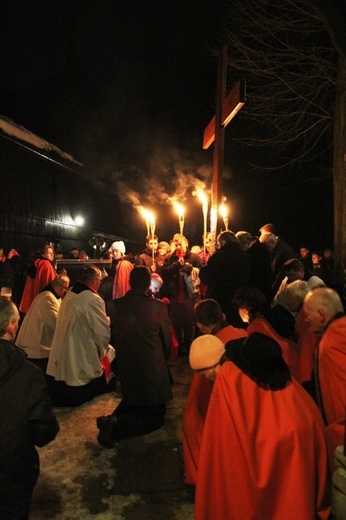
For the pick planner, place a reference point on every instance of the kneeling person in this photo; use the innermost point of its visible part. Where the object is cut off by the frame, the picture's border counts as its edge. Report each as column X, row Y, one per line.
column 36, row 332
column 80, row 344
column 141, row 334
column 263, row 451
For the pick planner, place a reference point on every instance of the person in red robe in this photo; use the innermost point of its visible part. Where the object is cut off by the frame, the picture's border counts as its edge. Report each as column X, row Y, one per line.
column 44, row 274
column 263, row 452
column 324, row 310
column 210, row 320
column 276, row 322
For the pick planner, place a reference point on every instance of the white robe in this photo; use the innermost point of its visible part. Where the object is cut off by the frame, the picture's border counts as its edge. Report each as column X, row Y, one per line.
column 36, row 332
column 81, row 338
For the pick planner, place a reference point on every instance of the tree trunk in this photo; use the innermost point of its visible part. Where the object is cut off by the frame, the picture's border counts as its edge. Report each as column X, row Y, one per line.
column 339, row 173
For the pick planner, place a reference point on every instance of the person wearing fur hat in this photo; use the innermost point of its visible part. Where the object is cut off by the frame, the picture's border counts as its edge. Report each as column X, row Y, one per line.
column 117, row 283
column 263, row 451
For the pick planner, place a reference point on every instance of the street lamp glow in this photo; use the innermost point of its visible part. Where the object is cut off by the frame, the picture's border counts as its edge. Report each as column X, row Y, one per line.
column 79, row 221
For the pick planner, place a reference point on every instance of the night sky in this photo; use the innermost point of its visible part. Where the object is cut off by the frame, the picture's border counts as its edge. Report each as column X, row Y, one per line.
column 127, row 88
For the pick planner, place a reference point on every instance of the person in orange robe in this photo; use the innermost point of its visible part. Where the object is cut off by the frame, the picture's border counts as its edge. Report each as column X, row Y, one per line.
column 290, row 350
column 45, row 274
column 263, row 452
column 210, row 320
column 325, row 312
column 253, row 309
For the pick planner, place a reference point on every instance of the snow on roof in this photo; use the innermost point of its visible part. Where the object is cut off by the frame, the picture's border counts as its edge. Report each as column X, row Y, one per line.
column 11, row 128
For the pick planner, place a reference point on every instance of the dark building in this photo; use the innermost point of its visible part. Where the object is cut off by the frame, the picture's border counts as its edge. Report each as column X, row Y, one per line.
column 43, row 190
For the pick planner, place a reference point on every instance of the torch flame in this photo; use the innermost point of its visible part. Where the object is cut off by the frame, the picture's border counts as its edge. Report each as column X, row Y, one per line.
column 202, row 197
column 223, row 211
column 224, row 214
column 149, row 220
column 179, row 209
column 147, row 215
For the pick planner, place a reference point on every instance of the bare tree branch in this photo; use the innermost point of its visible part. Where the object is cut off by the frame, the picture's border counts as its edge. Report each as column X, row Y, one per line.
column 285, row 53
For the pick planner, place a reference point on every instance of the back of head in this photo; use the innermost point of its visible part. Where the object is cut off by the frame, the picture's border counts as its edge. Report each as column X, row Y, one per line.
column 268, row 228
column 140, row 278
column 227, row 236
column 208, row 312
column 8, row 311
column 61, row 279
column 282, row 321
column 297, row 289
column 250, row 298
column 244, row 238
column 293, row 264
column 89, row 272
column 260, row 358
column 324, row 298
column 269, row 239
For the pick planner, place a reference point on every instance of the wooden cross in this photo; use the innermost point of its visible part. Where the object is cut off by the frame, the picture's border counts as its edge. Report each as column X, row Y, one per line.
column 226, row 109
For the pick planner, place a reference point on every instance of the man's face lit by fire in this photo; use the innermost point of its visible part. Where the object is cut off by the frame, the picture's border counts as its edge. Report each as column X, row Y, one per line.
column 304, row 252
column 316, row 259
column 180, row 243
column 152, row 244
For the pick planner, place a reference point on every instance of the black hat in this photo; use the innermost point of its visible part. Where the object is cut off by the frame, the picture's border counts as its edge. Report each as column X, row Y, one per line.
column 260, row 358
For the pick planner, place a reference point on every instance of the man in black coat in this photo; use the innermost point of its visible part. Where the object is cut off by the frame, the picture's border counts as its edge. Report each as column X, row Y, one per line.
column 227, row 270
column 177, row 273
column 26, row 419
column 261, row 271
column 141, row 336
column 281, row 252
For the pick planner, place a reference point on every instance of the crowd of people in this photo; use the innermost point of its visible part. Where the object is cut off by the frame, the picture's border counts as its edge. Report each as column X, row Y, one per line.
column 265, row 331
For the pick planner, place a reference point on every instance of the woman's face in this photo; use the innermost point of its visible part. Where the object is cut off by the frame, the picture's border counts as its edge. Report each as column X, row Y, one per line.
column 116, row 254
column 162, row 250
column 244, row 314
column 49, row 254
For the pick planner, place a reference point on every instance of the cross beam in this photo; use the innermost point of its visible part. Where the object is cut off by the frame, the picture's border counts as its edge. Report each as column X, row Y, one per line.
column 230, row 107
column 226, row 109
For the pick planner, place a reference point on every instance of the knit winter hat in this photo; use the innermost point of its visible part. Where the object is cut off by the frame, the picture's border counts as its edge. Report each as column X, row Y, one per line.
column 205, row 352
column 119, row 246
